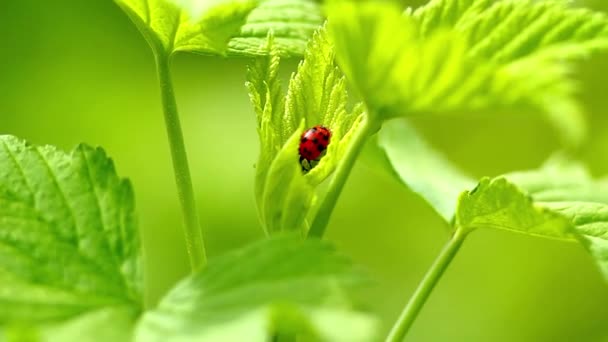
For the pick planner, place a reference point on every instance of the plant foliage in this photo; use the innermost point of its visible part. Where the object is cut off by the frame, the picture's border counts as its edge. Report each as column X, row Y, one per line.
column 69, row 243
column 71, row 265
column 316, row 96
column 458, row 56
column 566, row 187
column 560, row 200
column 223, row 27
column 282, row 285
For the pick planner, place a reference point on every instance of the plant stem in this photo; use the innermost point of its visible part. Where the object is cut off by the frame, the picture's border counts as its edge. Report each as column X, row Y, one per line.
column 317, row 229
column 413, row 307
column 192, row 228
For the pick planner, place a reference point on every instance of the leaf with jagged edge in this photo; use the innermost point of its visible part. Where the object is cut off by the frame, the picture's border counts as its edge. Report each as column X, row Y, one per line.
column 566, row 187
column 69, row 245
column 316, row 96
column 292, row 23
column 561, row 187
column 529, row 41
column 443, row 58
column 223, row 27
column 282, row 285
column 507, row 30
column 266, row 95
column 499, row 204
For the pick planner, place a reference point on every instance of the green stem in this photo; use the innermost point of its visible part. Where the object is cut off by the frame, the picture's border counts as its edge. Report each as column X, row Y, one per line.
column 192, row 228
column 317, row 229
column 413, row 307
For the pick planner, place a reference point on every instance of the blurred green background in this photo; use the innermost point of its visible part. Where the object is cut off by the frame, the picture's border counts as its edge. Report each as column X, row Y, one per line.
column 78, row 71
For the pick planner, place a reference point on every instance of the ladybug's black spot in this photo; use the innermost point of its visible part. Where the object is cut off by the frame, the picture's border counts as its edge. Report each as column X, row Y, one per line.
column 320, row 147
column 315, row 140
column 303, row 139
column 324, row 137
column 314, row 129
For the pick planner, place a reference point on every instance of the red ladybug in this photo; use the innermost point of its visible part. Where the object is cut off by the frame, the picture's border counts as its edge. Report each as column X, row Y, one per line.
column 313, row 144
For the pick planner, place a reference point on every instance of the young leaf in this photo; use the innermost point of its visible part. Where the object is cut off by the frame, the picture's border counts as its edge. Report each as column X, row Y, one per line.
column 567, row 188
column 499, row 204
column 316, row 96
column 421, row 168
column 280, row 285
column 209, row 27
column 69, row 244
column 457, row 56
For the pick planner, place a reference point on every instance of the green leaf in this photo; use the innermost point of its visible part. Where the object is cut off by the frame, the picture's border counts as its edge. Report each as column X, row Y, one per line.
column 287, row 196
column 496, row 203
column 421, row 168
column 507, row 30
column 316, row 96
column 282, row 284
column 87, row 327
column 220, row 27
column 459, row 56
column 292, row 23
column 566, row 187
column 69, row 244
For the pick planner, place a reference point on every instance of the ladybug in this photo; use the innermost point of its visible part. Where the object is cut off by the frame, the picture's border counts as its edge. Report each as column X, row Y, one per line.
column 313, row 144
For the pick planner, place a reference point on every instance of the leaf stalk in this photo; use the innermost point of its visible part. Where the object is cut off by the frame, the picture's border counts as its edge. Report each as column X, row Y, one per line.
column 319, row 224
column 192, row 229
column 426, row 286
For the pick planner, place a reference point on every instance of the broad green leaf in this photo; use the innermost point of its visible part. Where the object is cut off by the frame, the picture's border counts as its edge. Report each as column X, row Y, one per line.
column 507, row 30
column 282, row 284
column 566, row 187
column 421, row 168
column 109, row 324
column 220, row 27
column 69, row 244
column 590, row 220
column 292, row 23
column 561, row 179
column 464, row 55
column 498, row 204
column 316, row 96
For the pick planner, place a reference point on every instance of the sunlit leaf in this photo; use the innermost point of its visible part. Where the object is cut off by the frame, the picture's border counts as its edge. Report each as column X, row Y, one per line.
column 292, row 23
column 566, row 187
column 282, row 285
column 316, row 96
column 467, row 55
column 220, row 27
column 498, row 204
column 69, row 244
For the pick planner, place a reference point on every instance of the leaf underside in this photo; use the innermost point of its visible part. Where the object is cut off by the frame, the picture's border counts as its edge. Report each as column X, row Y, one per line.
column 468, row 55
column 560, row 200
column 498, row 204
column 567, row 188
column 421, row 168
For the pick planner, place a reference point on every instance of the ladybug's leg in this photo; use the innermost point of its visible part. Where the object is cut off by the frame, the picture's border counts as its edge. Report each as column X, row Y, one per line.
column 306, row 166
